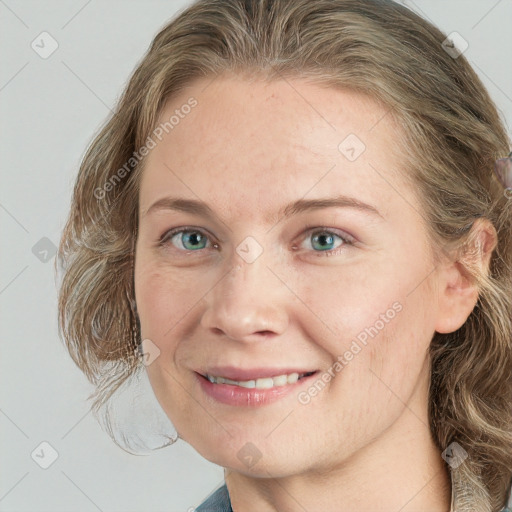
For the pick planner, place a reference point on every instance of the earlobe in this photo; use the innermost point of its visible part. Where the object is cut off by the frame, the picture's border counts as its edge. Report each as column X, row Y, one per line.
column 458, row 290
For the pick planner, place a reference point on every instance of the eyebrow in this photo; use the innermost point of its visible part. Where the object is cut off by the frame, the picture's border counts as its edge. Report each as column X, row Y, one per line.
column 301, row 205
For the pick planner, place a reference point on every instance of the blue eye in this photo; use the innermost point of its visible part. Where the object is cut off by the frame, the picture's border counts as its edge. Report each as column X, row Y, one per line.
column 324, row 243
column 323, row 240
column 189, row 239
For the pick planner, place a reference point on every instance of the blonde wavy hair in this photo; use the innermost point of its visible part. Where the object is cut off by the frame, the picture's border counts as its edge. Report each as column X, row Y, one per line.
column 452, row 135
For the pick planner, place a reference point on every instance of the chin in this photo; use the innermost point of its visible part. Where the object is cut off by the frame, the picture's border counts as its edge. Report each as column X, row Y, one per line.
column 267, row 469
column 251, row 462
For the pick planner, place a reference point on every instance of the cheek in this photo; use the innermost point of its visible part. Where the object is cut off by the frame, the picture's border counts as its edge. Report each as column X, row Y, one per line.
column 346, row 301
column 369, row 318
column 165, row 297
column 165, row 302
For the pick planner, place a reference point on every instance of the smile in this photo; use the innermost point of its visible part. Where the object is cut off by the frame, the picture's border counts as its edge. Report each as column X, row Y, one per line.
column 261, row 383
column 253, row 392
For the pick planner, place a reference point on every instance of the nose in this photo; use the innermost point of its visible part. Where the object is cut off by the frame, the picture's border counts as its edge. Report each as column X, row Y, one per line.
column 248, row 304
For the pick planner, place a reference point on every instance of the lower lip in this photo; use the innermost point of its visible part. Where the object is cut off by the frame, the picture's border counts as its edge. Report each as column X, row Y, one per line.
column 236, row 395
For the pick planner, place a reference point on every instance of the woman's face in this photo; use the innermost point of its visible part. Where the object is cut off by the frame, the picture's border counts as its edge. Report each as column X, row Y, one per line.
column 342, row 283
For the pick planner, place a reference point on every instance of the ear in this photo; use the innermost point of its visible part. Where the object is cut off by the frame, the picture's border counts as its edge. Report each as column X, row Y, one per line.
column 458, row 293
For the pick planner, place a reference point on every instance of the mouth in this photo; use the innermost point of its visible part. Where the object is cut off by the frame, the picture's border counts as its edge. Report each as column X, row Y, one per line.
column 252, row 388
column 281, row 380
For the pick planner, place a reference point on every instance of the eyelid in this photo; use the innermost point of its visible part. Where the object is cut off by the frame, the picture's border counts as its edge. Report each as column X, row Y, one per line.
column 338, row 232
column 166, row 237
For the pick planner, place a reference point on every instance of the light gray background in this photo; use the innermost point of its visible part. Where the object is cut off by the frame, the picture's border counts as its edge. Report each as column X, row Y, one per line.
column 50, row 109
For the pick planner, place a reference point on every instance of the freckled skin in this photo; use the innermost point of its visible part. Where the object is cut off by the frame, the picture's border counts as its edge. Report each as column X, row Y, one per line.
column 247, row 149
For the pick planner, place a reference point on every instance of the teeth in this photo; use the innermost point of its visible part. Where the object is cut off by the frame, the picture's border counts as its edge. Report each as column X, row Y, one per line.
column 280, row 381
column 264, row 383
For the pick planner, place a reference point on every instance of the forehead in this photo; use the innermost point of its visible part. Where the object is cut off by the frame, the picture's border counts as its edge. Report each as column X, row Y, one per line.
column 250, row 145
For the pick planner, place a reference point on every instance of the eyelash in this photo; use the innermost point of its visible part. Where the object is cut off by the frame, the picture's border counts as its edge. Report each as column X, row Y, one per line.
column 345, row 237
column 165, row 239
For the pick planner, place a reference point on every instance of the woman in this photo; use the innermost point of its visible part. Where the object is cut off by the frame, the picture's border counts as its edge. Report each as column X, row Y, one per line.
column 293, row 216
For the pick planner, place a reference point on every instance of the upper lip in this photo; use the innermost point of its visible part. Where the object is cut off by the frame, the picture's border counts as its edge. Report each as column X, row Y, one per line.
column 241, row 374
